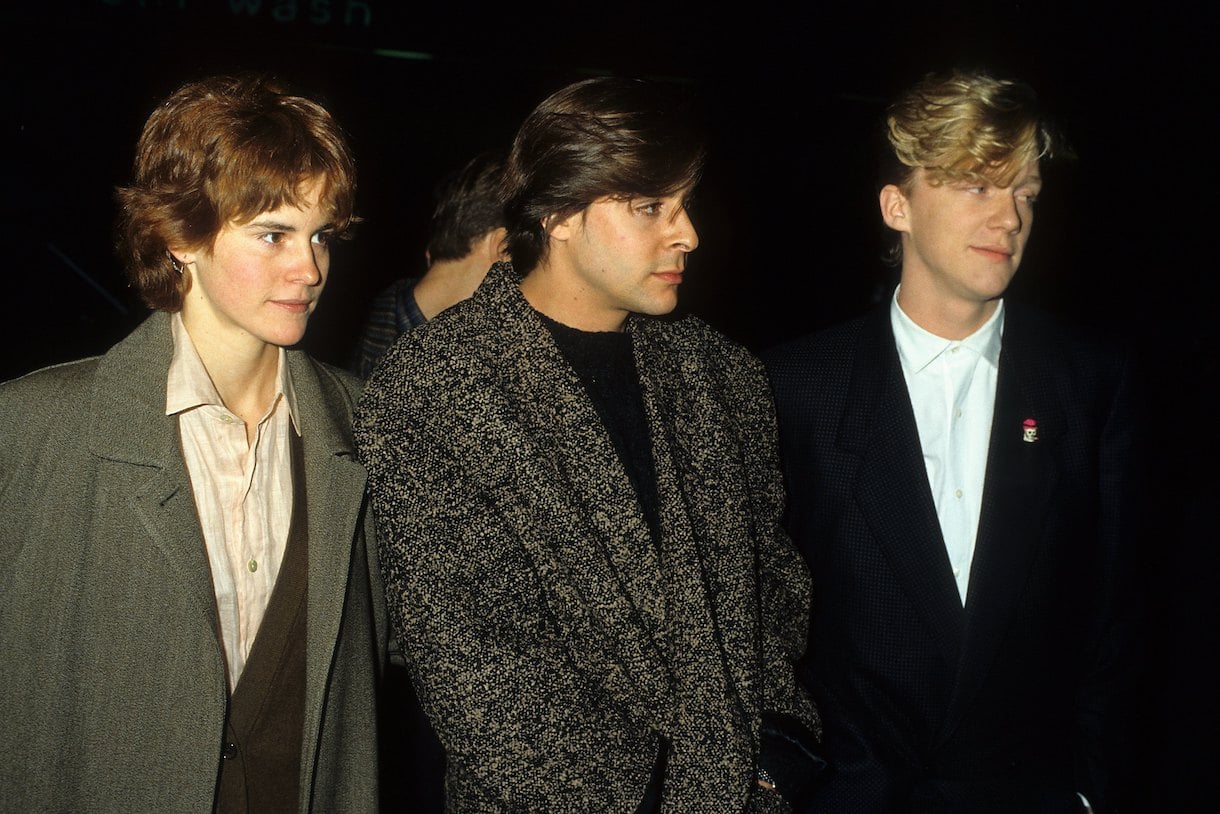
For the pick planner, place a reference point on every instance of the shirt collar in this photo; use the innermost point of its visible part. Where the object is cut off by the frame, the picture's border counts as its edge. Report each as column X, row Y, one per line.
column 917, row 348
column 189, row 385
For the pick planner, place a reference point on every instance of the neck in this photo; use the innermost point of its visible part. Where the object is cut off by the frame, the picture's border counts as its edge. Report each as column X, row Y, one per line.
column 565, row 300
column 946, row 318
column 244, row 374
column 448, row 282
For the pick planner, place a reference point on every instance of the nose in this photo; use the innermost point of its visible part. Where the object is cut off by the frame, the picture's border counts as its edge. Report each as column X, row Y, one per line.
column 686, row 239
column 309, row 265
column 1007, row 214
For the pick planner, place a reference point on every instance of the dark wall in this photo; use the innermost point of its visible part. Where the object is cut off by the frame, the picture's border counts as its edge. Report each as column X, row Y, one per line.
column 790, row 235
column 788, row 222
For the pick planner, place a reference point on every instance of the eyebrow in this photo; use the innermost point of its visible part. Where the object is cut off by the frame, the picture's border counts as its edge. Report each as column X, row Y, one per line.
column 275, row 226
column 270, row 225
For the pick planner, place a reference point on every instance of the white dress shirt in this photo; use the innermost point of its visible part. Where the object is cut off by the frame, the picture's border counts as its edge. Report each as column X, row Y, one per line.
column 243, row 491
column 952, row 388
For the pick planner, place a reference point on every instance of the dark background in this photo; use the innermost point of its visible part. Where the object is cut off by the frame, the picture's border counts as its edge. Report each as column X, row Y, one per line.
column 790, row 235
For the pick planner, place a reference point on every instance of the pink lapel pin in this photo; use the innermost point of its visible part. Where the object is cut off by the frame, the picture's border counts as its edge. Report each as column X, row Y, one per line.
column 1030, row 431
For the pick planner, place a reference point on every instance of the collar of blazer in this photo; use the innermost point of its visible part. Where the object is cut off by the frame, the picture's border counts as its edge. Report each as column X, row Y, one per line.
column 128, row 428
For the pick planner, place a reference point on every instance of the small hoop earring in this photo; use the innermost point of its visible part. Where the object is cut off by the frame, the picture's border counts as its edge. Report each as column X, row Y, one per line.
column 173, row 261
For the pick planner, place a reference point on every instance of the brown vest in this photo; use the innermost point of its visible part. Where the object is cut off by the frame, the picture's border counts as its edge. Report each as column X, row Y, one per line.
column 260, row 767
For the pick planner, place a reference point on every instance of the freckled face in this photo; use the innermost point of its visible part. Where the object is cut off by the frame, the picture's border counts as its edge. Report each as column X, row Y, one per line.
column 260, row 280
column 963, row 240
column 624, row 256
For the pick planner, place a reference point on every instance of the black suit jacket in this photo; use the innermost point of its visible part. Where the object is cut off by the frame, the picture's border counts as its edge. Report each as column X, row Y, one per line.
column 1010, row 703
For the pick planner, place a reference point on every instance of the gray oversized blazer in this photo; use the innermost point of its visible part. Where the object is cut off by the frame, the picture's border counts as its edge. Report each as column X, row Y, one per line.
column 112, row 681
column 525, row 588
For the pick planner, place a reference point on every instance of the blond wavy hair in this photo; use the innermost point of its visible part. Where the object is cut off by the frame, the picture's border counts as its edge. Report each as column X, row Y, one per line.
column 962, row 124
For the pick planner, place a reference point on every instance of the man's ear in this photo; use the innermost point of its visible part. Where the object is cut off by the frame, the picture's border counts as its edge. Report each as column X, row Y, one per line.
column 560, row 228
column 499, row 242
column 894, row 208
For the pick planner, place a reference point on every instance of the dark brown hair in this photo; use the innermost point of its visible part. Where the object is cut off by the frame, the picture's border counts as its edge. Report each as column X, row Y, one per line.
column 467, row 207
column 598, row 138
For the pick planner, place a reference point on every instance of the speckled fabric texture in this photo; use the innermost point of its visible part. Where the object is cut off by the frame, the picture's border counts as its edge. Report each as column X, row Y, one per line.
column 554, row 647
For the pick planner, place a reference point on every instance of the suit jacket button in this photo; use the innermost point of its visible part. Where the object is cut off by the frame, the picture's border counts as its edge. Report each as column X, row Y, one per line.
column 230, row 751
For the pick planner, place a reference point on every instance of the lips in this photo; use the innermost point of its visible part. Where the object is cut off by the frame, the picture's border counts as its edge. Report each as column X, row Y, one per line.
column 293, row 306
column 997, row 253
column 671, row 277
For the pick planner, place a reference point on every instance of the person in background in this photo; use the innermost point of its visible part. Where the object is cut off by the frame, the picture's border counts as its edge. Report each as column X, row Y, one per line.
column 466, row 235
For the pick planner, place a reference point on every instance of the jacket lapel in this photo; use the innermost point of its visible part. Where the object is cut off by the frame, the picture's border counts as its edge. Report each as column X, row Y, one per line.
column 334, row 487
column 129, row 430
column 891, row 486
column 334, row 504
column 704, row 500
column 532, row 446
column 1020, row 479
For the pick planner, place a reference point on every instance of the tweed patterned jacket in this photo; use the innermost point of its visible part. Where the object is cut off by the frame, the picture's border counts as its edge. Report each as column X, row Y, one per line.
column 555, row 648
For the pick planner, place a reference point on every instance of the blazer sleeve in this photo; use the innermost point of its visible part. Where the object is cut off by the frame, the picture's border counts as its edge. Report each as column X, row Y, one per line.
column 1105, row 693
column 790, row 726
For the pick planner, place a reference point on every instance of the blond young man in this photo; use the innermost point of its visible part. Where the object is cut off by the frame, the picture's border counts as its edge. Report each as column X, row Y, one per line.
column 959, row 482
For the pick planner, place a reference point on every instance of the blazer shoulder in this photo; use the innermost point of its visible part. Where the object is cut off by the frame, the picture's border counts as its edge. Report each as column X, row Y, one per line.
column 327, row 396
column 43, row 414
column 337, row 379
column 54, row 378
column 692, row 350
column 452, row 341
column 1086, row 356
column 34, row 399
column 432, row 368
column 690, row 335
column 814, row 355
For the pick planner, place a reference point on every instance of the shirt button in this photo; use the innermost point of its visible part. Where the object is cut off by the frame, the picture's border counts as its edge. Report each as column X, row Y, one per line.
column 955, row 350
column 226, row 418
column 958, row 414
column 958, row 493
column 230, row 751
column 252, row 565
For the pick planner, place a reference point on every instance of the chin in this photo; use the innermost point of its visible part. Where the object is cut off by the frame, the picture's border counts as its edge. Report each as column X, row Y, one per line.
column 659, row 307
column 284, row 339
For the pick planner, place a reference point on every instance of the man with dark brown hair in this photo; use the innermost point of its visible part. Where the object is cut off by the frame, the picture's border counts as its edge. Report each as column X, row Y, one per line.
column 465, row 236
column 581, row 501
